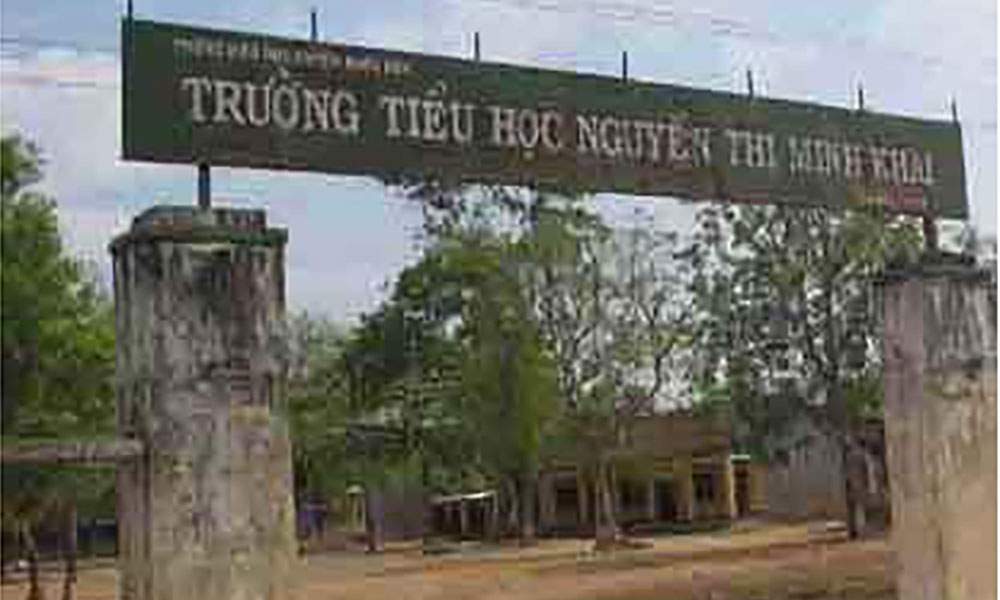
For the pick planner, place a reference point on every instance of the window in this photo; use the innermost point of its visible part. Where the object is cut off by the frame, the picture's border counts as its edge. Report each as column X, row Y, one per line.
column 632, row 495
column 566, row 498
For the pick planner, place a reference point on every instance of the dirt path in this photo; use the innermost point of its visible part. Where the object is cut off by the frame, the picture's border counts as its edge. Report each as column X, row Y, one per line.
column 774, row 562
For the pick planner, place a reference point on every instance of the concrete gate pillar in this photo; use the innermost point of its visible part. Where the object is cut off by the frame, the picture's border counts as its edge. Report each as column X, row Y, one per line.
column 207, row 511
column 940, row 427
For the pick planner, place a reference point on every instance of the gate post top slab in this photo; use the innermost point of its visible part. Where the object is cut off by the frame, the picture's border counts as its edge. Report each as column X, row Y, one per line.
column 191, row 224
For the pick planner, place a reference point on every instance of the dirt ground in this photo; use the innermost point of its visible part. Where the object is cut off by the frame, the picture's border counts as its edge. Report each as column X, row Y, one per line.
column 786, row 562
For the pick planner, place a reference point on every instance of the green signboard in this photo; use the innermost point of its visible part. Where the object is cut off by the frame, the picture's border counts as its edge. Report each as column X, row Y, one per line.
column 195, row 95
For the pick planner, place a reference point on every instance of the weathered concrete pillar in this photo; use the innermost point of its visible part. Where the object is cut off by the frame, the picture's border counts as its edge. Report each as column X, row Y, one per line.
column 207, row 511
column 940, row 403
column 684, row 484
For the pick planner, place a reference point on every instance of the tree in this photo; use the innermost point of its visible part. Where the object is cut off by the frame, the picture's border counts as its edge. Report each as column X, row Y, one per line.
column 609, row 315
column 607, row 318
column 318, row 410
column 591, row 299
column 57, row 355
column 789, row 318
column 509, row 381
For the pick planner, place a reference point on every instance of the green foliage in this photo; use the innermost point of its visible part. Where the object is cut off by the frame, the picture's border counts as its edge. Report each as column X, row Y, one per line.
column 58, row 347
column 509, row 381
column 318, row 409
column 58, row 326
column 789, row 312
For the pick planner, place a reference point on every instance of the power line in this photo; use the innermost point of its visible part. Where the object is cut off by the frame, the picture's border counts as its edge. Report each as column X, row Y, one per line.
column 719, row 26
column 657, row 14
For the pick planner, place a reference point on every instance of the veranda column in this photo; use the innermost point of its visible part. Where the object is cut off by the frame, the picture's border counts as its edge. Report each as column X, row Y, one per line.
column 651, row 498
column 583, row 499
column 207, row 512
column 727, row 497
column 684, row 484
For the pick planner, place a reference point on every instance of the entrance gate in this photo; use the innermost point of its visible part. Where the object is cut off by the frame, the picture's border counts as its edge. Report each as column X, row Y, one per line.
column 204, row 485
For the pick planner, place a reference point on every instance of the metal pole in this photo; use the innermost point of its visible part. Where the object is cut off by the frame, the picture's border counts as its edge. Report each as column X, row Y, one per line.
column 930, row 233
column 204, row 187
column 313, row 29
column 750, row 83
column 475, row 46
column 624, row 65
column 126, row 73
column 954, row 111
column 861, row 97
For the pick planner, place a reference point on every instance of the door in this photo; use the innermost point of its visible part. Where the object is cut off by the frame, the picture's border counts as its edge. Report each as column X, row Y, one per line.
column 666, row 505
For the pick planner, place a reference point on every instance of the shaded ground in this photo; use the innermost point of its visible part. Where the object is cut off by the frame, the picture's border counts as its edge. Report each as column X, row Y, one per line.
column 785, row 562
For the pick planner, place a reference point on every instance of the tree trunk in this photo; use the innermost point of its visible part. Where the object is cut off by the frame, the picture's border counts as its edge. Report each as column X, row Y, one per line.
column 375, row 518
column 513, row 508
column 34, row 589
column 853, row 497
column 527, row 522
column 840, row 417
column 605, row 530
column 69, row 551
column 494, row 525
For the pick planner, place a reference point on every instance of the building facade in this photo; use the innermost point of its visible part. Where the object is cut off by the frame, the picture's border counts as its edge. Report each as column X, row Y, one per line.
column 806, row 474
column 676, row 468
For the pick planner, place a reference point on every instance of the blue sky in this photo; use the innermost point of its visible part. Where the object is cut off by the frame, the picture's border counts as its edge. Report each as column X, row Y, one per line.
column 348, row 236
